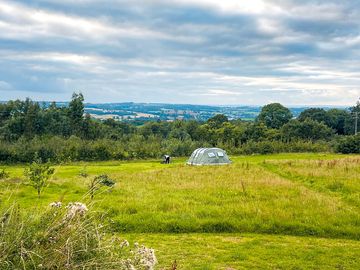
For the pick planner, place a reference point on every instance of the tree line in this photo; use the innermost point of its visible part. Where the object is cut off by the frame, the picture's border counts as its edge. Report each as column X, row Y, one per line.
column 29, row 129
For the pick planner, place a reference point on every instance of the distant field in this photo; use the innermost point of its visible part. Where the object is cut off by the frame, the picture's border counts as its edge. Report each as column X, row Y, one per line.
column 287, row 211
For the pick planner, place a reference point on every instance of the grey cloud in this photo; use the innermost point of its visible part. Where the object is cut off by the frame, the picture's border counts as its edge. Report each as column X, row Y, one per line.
column 183, row 51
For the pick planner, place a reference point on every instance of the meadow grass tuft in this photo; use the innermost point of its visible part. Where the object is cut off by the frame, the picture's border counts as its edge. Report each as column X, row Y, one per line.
column 65, row 238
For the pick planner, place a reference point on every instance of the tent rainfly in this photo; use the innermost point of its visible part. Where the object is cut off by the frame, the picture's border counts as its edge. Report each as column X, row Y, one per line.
column 209, row 156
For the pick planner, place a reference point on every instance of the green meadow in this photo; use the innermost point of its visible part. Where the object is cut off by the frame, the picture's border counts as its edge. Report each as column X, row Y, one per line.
column 286, row 211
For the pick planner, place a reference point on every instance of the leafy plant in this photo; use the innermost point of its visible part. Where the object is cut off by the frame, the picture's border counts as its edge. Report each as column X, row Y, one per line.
column 84, row 173
column 38, row 174
column 102, row 180
column 4, row 174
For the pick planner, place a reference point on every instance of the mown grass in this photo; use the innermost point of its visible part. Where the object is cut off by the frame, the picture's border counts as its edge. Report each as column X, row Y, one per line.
column 251, row 251
column 307, row 195
column 337, row 177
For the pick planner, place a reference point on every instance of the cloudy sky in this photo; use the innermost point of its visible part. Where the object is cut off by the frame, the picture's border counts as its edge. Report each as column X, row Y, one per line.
column 297, row 52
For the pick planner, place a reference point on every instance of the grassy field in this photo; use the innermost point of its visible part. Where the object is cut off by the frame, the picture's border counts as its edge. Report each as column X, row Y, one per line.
column 288, row 211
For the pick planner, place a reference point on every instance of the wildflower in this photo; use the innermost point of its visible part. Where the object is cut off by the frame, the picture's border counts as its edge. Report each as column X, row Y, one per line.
column 128, row 264
column 75, row 209
column 147, row 257
column 55, row 204
column 52, row 239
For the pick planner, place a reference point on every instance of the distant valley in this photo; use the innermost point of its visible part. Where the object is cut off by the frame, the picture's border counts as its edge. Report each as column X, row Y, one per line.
column 130, row 111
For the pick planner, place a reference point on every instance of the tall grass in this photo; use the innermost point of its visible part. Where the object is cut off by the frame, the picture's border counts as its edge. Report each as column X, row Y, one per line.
column 237, row 198
column 247, row 196
column 64, row 238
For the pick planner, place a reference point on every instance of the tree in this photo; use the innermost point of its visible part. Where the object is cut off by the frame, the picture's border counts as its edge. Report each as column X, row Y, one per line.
column 32, row 118
column 338, row 119
column 274, row 115
column 226, row 132
column 192, row 128
column 76, row 112
column 217, row 120
column 89, row 129
column 306, row 130
column 254, row 132
column 316, row 114
column 350, row 123
column 154, row 128
column 5, row 112
column 38, row 174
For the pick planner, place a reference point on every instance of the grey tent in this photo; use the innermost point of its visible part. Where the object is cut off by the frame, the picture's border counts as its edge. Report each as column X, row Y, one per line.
column 209, row 156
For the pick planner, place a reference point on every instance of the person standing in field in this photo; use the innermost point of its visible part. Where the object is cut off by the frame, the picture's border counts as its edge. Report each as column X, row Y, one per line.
column 166, row 159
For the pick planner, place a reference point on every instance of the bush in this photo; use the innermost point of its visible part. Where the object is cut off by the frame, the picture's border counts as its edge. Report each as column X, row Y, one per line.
column 58, row 149
column 271, row 147
column 3, row 174
column 349, row 145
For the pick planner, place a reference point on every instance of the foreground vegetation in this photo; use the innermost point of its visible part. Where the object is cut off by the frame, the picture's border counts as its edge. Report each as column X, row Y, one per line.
column 65, row 238
column 281, row 211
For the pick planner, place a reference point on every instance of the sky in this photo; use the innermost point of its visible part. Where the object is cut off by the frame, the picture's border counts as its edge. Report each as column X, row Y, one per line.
column 228, row 52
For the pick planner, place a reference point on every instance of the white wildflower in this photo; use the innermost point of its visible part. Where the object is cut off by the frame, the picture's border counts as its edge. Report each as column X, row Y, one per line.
column 55, row 204
column 128, row 264
column 52, row 239
column 142, row 258
column 75, row 209
column 147, row 257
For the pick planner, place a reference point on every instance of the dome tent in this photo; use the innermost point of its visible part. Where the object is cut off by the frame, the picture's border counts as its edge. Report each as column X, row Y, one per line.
column 209, row 156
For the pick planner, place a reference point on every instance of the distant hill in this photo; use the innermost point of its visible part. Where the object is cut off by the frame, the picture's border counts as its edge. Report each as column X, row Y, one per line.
column 149, row 111
column 131, row 111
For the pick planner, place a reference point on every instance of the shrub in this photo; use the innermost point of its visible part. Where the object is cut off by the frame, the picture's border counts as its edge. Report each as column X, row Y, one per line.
column 270, row 147
column 3, row 174
column 349, row 144
column 37, row 174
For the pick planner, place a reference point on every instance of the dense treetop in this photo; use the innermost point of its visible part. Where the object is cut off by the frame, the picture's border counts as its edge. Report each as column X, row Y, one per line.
column 274, row 115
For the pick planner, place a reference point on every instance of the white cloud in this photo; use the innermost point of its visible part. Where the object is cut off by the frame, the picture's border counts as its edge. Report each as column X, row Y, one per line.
column 235, row 6
column 271, row 26
column 221, row 92
column 318, row 11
